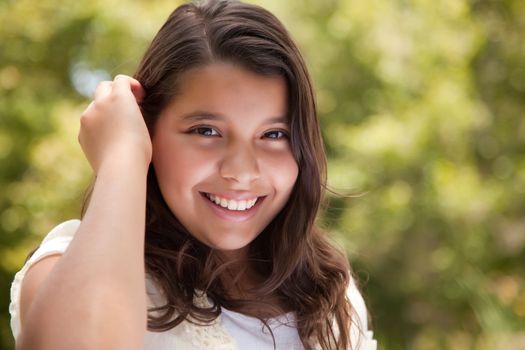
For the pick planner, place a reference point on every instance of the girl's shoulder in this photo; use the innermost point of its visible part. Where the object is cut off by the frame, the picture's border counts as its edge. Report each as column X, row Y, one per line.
column 64, row 230
column 358, row 303
column 55, row 242
column 359, row 331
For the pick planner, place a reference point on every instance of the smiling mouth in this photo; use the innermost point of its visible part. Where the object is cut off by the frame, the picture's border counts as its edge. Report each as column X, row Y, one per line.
column 232, row 204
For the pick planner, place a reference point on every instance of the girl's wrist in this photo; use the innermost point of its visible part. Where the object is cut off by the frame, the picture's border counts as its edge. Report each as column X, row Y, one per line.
column 125, row 163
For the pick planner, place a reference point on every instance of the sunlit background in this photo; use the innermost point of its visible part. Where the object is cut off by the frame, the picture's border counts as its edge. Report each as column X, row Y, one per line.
column 422, row 107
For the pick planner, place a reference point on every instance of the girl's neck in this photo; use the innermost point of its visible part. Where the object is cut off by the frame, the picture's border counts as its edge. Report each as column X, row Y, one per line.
column 240, row 281
column 240, row 254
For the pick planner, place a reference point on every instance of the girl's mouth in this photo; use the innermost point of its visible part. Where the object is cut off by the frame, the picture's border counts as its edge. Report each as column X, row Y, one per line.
column 232, row 204
column 233, row 210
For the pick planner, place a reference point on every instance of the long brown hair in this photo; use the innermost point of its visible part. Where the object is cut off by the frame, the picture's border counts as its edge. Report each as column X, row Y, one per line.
column 298, row 264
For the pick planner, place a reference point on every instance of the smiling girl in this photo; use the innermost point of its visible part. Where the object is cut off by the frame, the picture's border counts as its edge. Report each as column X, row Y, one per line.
column 199, row 232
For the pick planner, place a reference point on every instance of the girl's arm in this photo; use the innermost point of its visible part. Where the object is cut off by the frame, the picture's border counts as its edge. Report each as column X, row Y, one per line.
column 94, row 296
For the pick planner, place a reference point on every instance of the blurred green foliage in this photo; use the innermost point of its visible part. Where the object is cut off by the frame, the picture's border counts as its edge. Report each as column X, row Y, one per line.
column 422, row 106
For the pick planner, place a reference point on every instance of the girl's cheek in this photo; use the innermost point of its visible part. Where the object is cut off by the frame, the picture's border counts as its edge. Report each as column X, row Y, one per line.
column 282, row 166
column 195, row 159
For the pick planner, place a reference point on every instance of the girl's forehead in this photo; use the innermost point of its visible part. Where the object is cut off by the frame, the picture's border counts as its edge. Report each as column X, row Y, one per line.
column 224, row 74
column 228, row 89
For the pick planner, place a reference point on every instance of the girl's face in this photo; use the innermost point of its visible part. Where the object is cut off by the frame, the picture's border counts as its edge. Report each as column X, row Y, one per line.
column 224, row 139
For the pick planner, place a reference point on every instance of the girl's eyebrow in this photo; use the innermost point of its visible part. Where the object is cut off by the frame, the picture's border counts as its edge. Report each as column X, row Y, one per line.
column 201, row 115
column 205, row 115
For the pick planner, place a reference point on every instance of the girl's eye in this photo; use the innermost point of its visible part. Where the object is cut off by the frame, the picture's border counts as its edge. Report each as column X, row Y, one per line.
column 276, row 134
column 204, row 131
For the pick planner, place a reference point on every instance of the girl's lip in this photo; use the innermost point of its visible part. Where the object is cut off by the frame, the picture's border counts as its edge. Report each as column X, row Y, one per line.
column 234, row 197
column 233, row 215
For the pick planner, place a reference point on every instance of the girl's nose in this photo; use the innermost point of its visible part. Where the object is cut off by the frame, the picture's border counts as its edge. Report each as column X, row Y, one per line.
column 240, row 165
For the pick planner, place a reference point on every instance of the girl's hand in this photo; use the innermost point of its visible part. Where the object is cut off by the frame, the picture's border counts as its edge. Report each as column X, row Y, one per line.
column 112, row 126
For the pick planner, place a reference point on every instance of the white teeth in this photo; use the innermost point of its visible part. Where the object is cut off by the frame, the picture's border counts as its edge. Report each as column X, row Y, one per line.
column 242, row 205
column 232, row 204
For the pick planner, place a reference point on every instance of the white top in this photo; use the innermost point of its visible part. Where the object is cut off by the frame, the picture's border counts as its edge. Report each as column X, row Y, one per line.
column 231, row 330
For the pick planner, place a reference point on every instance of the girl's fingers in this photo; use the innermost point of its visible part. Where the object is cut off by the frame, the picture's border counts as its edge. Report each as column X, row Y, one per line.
column 138, row 92
column 103, row 89
column 88, row 109
column 124, row 82
column 137, row 89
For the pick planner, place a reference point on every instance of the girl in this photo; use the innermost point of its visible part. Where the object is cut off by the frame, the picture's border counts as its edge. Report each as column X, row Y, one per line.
column 210, row 170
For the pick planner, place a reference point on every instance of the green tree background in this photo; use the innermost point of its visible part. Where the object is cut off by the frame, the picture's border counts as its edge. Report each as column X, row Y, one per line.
column 422, row 107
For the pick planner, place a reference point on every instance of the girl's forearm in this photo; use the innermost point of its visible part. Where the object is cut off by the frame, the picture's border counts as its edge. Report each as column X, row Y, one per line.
column 95, row 297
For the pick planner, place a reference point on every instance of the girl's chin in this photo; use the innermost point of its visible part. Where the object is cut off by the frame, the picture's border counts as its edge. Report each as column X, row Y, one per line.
column 229, row 247
column 232, row 248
